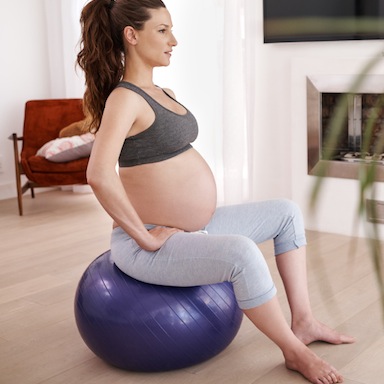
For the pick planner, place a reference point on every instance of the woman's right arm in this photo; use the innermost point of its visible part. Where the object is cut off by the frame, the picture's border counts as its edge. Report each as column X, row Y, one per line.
column 121, row 111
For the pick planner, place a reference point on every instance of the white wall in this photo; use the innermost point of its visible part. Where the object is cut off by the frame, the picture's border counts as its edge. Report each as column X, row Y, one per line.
column 194, row 76
column 23, row 74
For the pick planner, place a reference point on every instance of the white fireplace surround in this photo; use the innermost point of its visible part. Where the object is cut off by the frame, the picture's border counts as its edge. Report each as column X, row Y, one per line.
column 345, row 83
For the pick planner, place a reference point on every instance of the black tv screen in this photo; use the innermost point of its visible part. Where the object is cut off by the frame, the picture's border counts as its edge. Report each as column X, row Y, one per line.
column 323, row 20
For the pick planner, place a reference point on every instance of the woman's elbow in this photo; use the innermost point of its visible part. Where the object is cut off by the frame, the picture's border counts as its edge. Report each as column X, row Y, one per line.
column 100, row 177
column 94, row 177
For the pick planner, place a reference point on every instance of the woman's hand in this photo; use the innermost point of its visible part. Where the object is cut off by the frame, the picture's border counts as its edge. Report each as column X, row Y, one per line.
column 157, row 237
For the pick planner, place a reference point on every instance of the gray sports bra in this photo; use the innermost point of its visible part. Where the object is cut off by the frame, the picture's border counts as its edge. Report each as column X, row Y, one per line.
column 168, row 136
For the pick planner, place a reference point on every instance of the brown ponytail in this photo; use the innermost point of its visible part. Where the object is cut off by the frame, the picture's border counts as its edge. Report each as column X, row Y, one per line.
column 102, row 47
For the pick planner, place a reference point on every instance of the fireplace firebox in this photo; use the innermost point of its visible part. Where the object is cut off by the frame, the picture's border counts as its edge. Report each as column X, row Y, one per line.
column 344, row 156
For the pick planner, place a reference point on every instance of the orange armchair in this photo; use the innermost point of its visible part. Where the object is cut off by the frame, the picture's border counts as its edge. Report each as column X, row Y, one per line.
column 43, row 121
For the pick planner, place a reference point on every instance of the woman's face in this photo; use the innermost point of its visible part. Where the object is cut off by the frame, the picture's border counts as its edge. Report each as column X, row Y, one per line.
column 155, row 41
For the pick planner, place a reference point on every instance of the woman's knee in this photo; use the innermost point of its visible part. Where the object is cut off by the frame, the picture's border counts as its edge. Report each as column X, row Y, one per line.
column 251, row 278
column 289, row 208
column 292, row 232
column 246, row 256
column 242, row 248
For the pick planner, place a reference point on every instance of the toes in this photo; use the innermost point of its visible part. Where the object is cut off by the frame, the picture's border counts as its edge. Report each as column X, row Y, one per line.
column 330, row 378
column 326, row 380
column 345, row 339
column 335, row 378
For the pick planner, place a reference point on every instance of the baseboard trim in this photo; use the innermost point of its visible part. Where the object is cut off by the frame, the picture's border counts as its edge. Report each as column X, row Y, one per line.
column 8, row 190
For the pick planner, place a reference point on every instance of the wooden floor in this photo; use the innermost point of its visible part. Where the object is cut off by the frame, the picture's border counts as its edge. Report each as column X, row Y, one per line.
column 44, row 253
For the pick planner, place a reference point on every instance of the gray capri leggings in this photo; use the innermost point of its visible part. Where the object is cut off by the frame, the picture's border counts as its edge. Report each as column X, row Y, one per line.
column 226, row 252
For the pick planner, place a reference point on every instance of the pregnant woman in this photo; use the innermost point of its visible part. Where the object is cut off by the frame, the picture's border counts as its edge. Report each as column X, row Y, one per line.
column 167, row 229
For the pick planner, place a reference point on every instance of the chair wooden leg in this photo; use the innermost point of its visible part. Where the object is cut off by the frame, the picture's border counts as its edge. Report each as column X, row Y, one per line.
column 19, row 194
column 18, row 172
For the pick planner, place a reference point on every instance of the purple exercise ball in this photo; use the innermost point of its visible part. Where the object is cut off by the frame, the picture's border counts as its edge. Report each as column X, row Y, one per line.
column 151, row 328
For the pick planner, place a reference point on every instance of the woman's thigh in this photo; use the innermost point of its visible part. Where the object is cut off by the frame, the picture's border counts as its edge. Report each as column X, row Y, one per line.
column 280, row 220
column 190, row 259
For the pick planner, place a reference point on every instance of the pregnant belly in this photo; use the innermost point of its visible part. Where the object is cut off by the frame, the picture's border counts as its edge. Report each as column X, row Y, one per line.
column 179, row 192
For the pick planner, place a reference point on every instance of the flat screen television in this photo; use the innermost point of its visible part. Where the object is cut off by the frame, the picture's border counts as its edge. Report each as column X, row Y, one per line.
column 322, row 20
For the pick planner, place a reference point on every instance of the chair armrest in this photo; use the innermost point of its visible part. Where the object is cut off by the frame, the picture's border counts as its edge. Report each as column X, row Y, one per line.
column 15, row 140
column 14, row 137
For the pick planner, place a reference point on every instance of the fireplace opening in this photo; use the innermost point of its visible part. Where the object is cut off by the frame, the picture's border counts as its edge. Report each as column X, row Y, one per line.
column 362, row 127
column 363, row 113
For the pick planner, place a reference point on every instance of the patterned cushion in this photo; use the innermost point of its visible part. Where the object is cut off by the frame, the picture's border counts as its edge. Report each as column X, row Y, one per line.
column 67, row 148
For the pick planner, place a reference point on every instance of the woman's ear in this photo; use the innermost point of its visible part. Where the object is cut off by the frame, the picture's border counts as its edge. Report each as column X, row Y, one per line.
column 130, row 35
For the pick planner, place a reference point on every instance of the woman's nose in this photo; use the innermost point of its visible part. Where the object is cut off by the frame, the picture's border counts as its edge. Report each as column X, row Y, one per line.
column 173, row 41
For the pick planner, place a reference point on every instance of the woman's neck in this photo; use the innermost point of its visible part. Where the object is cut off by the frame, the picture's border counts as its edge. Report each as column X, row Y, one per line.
column 143, row 78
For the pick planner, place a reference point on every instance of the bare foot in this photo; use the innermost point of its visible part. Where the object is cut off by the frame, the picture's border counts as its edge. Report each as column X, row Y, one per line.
column 312, row 330
column 314, row 369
